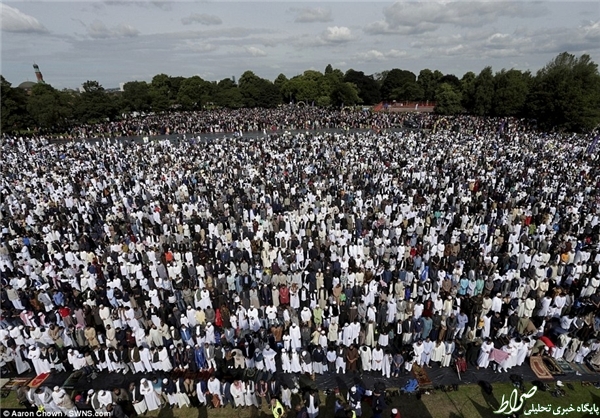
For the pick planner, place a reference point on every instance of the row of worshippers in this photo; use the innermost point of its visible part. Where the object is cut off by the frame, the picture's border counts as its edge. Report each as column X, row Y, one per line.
column 152, row 394
column 144, row 353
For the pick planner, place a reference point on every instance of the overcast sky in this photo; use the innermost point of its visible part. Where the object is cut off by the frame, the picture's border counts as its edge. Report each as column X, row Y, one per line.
column 119, row 41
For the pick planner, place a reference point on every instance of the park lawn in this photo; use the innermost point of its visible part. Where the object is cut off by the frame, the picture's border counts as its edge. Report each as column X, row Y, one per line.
column 468, row 402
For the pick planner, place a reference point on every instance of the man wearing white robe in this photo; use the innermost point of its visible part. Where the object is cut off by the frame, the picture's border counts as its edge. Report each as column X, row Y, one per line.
column 150, row 396
column 386, row 368
column 43, row 396
column 138, row 400
column 438, row 351
column 418, row 350
column 483, row 360
column 427, row 351
column 377, row 359
column 269, row 359
column 210, row 333
column 238, row 390
column 295, row 362
column 41, row 365
column 365, row 358
column 286, row 364
column 214, row 388
column 165, row 361
column 522, row 351
column 496, row 303
column 146, row 358
column 450, row 345
column 347, row 335
column 105, row 316
column 295, row 341
column 105, row 398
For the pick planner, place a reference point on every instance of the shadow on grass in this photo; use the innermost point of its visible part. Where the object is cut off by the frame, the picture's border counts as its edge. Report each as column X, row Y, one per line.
column 595, row 401
column 490, row 400
column 202, row 411
column 166, row 412
column 491, row 404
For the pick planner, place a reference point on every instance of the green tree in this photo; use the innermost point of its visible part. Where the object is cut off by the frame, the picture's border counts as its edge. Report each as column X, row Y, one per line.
column 395, row 79
column 429, row 82
column 94, row 104
column 161, row 92
column 49, row 108
column 13, row 113
column 467, row 88
column 368, row 89
column 510, row 92
column 279, row 82
column 257, row 91
column 484, row 92
column 304, row 88
column 566, row 94
column 408, row 92
column 344, row 94
column 193, row 93
column 450, row 79
column 448, row 100
column 136, row 97
column 227, row 94
column 174, row 86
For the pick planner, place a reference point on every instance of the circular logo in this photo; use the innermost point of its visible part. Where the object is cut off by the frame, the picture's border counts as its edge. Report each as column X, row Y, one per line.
column 6, row 413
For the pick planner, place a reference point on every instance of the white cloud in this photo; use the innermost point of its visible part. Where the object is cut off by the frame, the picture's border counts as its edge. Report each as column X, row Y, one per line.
column 521, row 42
column 394, row 53
column 99, row 30
column 199, row 46
column 162, row 5
column 372, row 55
column 312, row 14
column 255, row 52
column 13, row 20
column 337, row 35
column 375, row 55
column 203, row 19
column 124, row 30
column 411, row 18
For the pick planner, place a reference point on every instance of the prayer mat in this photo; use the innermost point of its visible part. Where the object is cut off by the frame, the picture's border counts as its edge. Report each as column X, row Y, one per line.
column 9, row 385
column 191, row 375
column 590, row 366
column 72, row 380
column 421, row 376
column 564, row 365
column 177, row 374
column 582, row 368
column 38, row 380
column 539, row 368
column 552, row 366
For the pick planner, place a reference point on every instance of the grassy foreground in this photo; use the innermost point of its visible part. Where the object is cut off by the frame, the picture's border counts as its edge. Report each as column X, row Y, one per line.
column 468, row 402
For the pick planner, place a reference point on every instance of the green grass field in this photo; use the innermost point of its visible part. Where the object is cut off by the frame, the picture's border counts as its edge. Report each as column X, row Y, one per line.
column 468, row 402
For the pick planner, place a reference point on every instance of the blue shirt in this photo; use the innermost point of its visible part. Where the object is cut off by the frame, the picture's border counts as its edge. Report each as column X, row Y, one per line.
column 59, row 298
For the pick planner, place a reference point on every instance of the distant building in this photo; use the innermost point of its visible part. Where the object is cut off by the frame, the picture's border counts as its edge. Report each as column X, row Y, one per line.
column 28, row 85
column 38, row 74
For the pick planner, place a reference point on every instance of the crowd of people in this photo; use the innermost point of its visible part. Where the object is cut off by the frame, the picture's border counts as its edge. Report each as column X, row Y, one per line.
column 207, row 268
column 224, row 121
column 267, row 121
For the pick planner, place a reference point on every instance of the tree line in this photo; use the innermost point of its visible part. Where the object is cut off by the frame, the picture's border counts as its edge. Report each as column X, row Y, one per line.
column 563, row 95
